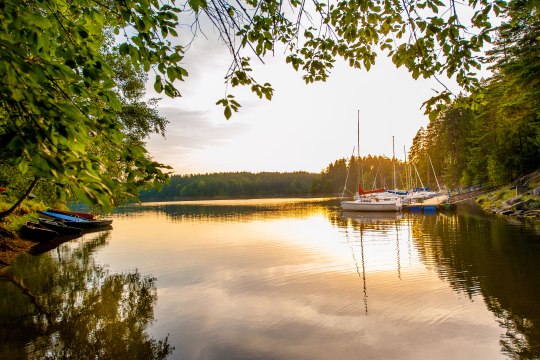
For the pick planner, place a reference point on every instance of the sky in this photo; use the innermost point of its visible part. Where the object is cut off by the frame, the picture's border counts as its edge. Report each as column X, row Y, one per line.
column 303, row 128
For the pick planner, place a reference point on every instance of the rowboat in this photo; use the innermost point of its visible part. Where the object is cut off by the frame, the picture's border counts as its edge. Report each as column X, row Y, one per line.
column 83, row 215
column 77, row 222
column 36, row 232
column 60, row 227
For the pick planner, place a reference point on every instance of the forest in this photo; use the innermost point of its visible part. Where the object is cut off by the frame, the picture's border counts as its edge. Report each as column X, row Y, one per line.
column 498, row 140
column 371, row 171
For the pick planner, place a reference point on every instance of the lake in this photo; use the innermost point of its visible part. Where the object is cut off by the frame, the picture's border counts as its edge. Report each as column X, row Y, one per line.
column 279, row 279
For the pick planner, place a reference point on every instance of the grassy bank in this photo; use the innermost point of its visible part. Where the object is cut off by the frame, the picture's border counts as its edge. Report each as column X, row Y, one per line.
column 10, row 243
column 521, row 198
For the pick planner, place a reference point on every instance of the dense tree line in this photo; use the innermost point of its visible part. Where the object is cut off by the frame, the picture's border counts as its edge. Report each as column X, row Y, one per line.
column 232, row 184
column 371, row 171
column 499, row 140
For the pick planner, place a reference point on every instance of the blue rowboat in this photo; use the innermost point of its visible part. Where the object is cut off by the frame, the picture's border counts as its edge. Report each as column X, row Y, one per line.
column 77, row 222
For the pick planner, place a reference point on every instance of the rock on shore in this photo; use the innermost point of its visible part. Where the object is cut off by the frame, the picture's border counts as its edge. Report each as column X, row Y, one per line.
column 520, row 199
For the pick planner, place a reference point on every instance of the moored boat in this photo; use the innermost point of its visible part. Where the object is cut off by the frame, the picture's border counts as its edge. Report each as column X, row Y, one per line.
column 81, row 214
column 60, row 227
column 369, row 200
column 372, row 203
column 36, row 232
column 77, row 222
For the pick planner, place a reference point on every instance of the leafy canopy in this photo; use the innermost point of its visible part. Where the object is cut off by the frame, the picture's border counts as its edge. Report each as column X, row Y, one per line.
column 431, row 38
column 60, row 104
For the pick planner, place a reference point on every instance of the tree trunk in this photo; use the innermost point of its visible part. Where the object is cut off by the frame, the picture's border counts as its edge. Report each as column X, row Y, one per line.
column 9, row 211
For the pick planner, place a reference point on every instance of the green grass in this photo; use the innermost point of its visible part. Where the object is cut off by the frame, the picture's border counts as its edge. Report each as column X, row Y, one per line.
column 27, row 211
column 496, row 198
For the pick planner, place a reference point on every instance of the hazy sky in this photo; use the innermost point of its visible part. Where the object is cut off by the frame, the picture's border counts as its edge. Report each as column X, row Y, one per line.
column 304, row 127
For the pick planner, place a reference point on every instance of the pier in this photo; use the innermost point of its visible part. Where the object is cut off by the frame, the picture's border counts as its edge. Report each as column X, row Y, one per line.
column 446, row 201
column 431, row 205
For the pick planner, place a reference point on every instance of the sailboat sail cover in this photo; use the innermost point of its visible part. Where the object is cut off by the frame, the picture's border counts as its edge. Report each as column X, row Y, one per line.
column 361, row 191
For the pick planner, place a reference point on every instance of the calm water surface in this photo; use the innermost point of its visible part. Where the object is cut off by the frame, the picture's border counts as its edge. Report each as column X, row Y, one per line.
column 279, row 279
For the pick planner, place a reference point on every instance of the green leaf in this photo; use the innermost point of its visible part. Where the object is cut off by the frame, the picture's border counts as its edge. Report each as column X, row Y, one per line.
column 227, row 112
column 196, row 5
column 158, row 85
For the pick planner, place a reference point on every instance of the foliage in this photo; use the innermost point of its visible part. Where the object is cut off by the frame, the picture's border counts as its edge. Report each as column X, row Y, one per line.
column 500, row 140
column 429, row 38
column 60, row 108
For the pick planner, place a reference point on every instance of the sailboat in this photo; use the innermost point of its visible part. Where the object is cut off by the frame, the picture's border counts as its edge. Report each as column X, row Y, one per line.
column 372, row 203
column 370, row 200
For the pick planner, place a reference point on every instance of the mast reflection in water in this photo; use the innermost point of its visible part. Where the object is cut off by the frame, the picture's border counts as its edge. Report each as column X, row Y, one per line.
column 284, row 279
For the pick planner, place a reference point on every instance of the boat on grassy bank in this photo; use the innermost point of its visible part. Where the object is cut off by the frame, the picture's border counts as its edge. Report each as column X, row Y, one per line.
column 75, row 221
column 80, row 214
column 60, row 227
column 36, row 232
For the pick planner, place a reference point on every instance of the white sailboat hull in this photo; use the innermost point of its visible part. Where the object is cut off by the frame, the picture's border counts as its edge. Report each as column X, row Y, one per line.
column 371, row 205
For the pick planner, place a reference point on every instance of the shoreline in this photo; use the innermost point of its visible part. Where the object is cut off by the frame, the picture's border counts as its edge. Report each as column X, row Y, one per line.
column 519, row 199
column 494, row 202
column 11, row 246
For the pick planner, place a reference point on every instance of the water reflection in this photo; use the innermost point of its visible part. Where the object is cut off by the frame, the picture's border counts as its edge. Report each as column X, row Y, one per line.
column 480, row 256
column 230, row 210
column 488, row 256
column 362, row 224
column 64, row 305
column 278, row 280
column 360, row 270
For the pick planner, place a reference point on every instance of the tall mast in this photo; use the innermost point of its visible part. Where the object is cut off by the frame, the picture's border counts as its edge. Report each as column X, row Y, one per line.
column 407, row 186
column 358, row 133
column 394, row 161
column 427, row 173
column 360, row 172
column 417, row 174
column 434, row 173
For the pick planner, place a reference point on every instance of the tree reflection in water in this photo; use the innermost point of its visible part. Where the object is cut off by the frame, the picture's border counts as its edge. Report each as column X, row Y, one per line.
column 63, row 305
column 478, row 255
column 488, row 256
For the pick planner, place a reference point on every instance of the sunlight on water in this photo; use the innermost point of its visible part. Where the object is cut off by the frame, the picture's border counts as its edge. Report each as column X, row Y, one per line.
column 280, row 279
column 297, row 282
